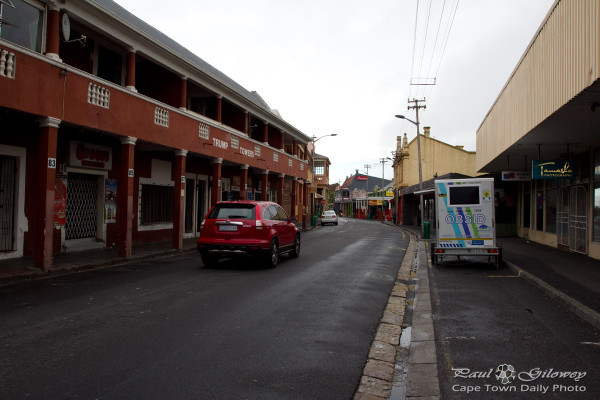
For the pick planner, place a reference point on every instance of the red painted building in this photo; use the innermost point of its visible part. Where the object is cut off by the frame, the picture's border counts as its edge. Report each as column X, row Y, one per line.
column 113, row 134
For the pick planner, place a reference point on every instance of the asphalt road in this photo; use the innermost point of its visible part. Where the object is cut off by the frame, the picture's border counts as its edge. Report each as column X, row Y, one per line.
column 486, row 318
column 170, row 329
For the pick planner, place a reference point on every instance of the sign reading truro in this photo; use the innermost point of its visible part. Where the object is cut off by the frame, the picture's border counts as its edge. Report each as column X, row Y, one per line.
column 541, row 169
column 90, row 155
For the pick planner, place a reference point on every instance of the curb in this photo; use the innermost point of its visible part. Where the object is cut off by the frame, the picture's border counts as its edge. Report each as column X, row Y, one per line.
column 376, row 382
column 581, row 310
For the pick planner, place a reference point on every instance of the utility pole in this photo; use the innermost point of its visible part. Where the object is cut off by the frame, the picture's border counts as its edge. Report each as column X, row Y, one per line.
column 383, row 161
column 367, row 166
column 416, row 107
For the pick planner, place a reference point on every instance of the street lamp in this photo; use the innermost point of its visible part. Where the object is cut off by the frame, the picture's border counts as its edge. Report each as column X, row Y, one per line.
column 420, row 169
column 315, row 140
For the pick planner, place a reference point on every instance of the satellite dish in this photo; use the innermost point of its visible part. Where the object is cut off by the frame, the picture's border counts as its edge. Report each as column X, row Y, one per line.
column 65, row 24
column 8, row 3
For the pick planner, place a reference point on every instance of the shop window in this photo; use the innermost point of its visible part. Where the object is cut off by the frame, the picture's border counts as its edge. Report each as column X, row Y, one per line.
column 539, row 206
column 550, row 208
column 156, row 205
column 506, row 211
column 526, row 204
column 596, row 212
column 22, row 24
column 582, row 168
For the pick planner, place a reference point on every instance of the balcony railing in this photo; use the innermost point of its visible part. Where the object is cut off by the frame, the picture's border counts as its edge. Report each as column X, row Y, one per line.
column 7, row 64
column 161, row 117
column 98, row 95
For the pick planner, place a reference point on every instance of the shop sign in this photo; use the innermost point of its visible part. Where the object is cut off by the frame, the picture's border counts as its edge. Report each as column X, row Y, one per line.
column 90, row 156
column 361, row 178
column 516, row 176
column 543, row 169
column 389, row 193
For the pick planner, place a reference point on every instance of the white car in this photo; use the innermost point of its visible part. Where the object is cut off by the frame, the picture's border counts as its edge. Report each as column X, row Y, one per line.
column 329, row 217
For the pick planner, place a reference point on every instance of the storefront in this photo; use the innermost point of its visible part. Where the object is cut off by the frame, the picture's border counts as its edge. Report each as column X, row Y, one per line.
column 562, row 208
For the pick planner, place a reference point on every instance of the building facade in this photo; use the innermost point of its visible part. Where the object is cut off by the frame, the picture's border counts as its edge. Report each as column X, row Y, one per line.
column 352, row 196
column 111, row 134
column 542, row 132
column 437, row 158
column 320, row 183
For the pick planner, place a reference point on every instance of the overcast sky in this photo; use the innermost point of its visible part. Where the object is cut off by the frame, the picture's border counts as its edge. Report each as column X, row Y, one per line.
column 346, row 66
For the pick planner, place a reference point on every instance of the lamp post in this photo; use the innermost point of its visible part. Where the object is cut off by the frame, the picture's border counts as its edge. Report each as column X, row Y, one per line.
column 394, row 189
column 420, row 169
column 315, row 139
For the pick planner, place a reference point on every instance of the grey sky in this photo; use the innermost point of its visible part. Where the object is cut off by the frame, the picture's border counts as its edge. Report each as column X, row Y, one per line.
column 345, row 66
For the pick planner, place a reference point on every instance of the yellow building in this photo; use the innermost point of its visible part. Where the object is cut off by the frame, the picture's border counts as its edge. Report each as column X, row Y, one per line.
column 437, row 158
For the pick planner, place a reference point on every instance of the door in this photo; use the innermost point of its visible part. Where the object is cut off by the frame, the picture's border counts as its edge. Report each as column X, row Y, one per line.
column 8, row 181
column 562, row 217
column 82, row 206
column 195, row 206
column 578, row 220
column 200, row 204
column 190, row 198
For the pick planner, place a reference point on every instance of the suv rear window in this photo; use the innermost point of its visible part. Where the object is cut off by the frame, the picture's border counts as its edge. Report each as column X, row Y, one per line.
column 233, row 211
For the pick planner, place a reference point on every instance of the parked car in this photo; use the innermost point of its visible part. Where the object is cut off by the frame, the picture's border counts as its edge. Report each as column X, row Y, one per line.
column 329, row 217
column 252, row 228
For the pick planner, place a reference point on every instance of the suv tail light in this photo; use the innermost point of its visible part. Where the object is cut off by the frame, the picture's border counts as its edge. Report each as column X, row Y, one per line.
column 258, row 224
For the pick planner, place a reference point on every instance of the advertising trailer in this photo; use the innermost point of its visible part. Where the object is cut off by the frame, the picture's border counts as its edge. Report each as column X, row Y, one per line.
column 465, row 220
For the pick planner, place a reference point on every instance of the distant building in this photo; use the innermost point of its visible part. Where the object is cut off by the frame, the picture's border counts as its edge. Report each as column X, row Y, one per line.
column 320, row 187
column 357, row 186
column 437, row 158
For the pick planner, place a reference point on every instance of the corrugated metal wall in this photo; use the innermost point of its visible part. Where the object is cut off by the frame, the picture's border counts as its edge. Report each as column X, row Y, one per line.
column 562, row 60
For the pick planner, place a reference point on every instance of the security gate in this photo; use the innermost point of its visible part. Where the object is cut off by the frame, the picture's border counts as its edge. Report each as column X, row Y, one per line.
column 562, row 217
column 82, row 208
column 195, row 206
column 578, row 220
column 8, row 176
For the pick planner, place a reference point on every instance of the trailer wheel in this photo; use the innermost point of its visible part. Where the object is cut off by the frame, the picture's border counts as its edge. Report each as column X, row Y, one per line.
column 499, row 258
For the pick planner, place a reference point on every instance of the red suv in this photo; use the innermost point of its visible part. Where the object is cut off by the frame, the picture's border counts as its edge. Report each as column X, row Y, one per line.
column 258, row 228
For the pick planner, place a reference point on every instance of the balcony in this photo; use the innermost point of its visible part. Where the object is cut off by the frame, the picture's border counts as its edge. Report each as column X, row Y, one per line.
column 83, row 99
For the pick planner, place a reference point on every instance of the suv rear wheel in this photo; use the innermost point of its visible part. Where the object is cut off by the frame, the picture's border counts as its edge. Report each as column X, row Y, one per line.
column 295, row 253
column 272, row 256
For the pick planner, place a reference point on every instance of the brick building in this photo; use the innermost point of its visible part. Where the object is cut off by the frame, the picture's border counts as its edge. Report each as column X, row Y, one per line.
column 111, row 134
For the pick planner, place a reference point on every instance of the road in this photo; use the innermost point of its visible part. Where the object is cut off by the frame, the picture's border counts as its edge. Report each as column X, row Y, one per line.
column 169, row 329
column 486, row 318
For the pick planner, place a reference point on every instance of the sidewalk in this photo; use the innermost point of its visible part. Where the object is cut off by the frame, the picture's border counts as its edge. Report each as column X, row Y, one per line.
column 570, row 278
column 21, row 269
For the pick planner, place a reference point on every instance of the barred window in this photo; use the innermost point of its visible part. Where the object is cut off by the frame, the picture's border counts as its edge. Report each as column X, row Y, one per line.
column 156, row 204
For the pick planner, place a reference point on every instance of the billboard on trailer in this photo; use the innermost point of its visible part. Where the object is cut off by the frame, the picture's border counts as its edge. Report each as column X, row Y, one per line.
column 465, row 219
